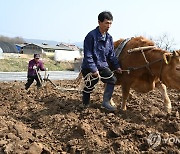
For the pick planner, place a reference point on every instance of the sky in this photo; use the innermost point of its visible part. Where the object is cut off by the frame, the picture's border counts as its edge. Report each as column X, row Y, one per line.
column 70, row 20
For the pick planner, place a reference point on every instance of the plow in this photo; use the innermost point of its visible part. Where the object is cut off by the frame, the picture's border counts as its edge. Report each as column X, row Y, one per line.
column 46, row 80
column 80, row 81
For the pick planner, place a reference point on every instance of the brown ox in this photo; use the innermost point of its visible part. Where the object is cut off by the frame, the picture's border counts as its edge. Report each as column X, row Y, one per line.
column 149, row 68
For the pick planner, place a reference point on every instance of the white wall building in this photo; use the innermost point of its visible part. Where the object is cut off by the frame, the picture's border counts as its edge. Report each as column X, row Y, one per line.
column 66, row 55
column 1, row 53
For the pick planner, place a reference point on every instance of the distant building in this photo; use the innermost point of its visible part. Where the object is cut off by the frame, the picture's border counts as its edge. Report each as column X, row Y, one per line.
column 20, row 47
column 72, row 46
column 66, row 55
column 32, row 48
column 1, row 53
column 8, row 47
column 69, row 53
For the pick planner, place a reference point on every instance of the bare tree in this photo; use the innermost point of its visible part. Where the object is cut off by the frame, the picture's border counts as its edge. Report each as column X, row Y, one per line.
column 164, row 42
column 15, row 40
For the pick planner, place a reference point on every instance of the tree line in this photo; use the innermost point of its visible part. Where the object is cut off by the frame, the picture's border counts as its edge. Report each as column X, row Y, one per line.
column 15, row 40
column 165, row 42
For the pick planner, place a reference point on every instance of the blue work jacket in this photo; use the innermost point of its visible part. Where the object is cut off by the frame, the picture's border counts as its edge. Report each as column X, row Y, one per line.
column 98, row 50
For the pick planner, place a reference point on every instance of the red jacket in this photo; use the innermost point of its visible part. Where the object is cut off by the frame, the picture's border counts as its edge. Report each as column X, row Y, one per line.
column 39, row 64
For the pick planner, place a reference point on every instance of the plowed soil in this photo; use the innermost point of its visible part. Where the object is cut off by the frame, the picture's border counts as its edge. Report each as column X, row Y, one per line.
column 48, row 120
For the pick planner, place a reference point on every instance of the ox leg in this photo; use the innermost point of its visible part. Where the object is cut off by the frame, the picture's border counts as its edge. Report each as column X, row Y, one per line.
column 167, row 103
column 125, row 94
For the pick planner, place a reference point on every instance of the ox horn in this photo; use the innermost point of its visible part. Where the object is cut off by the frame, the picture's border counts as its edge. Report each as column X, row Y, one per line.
column 175, row 53
column 165, row 55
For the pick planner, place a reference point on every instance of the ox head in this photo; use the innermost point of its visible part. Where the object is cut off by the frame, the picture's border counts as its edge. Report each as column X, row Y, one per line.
column 171, row 70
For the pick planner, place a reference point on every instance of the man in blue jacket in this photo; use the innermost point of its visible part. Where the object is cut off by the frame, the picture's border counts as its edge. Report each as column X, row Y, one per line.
column 98, row 53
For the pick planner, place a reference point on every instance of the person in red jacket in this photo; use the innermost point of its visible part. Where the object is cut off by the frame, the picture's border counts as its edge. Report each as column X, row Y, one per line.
column 33, row 67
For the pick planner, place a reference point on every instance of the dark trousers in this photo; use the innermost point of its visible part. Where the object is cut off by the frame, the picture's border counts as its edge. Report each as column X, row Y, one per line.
column 31, row 79
column 106, row 73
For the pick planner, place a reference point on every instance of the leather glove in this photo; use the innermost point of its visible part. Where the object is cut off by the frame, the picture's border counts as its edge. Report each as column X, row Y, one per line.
column 34, row 67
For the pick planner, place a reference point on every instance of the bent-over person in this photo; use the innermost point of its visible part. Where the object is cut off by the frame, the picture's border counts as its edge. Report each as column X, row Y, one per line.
column 33, row 67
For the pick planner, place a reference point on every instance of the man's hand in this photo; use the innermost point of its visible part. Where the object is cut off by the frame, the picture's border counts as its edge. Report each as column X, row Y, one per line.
column 119, row 70
column 34, row 67
column 95, row 74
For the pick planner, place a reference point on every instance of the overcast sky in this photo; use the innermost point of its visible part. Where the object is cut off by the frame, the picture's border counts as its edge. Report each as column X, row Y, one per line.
column 70, row 20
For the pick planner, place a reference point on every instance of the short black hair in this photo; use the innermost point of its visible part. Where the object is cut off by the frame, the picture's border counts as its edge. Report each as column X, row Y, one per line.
column 36, row 55
column 105, row 15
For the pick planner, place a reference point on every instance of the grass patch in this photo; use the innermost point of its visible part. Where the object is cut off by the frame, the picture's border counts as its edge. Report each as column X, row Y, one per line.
column 13, row 65
column 21, row 64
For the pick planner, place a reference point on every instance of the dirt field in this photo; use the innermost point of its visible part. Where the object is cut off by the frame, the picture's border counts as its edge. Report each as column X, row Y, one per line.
column 50, row 121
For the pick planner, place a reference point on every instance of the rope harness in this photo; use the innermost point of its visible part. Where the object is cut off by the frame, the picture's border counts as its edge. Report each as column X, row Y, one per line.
column 148, row 64
column 142, row 49
column 89, row 78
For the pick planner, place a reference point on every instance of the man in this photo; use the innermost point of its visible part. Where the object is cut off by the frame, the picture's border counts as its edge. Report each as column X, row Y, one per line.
column 98, row 52
column 33, row 67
